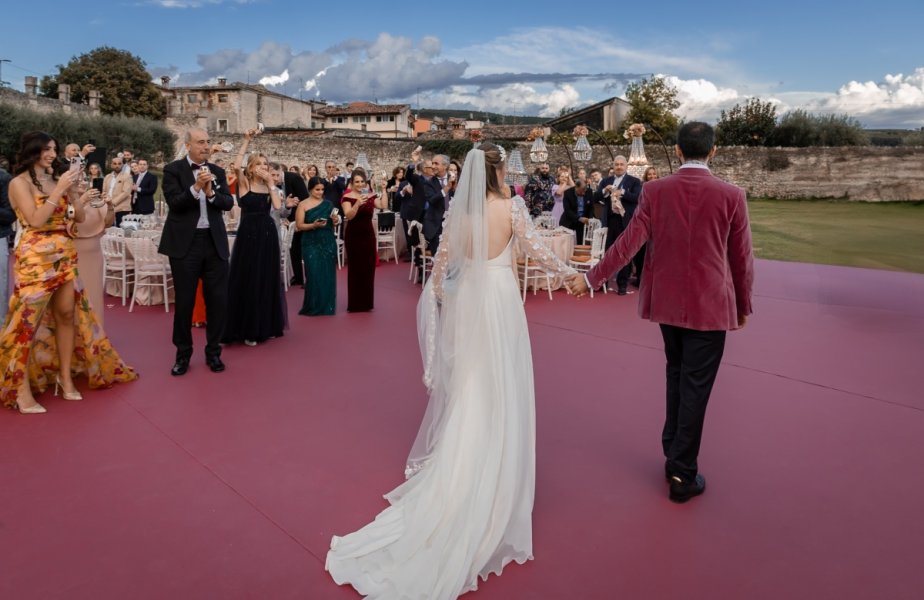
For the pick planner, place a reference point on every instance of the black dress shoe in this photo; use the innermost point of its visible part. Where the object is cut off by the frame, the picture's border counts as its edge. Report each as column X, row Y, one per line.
column 215, row 364
column 681, row 490
column 622, row 291
column 180, row 367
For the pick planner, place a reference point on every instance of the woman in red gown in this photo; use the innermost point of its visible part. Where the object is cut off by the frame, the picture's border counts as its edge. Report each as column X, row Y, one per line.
column 358, row 204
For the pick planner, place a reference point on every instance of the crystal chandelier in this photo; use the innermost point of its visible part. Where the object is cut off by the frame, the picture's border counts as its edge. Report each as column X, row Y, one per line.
column 539, row 153
column 363, row 163
column 516, row 172
column 582, row 150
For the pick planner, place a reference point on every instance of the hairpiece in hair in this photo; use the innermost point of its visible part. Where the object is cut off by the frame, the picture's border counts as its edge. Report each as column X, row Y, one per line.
column 502, row 152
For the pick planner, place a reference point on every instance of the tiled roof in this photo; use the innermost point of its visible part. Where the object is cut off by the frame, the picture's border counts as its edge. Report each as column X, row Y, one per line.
column 491, row 132
column 362, row 108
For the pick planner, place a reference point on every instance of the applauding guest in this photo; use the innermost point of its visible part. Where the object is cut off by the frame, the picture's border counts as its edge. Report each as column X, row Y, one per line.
column 359, row 240
column 256, row 303
column 196, row 241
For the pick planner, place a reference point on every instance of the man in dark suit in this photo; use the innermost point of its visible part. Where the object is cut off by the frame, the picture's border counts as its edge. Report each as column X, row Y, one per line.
column 195, row 239
column 334, row 186
column 143, row 188
column 436, row 190
column 413, row 200
column 578, row 209
column 625, row 189
column 697, row 286
column 294, row 190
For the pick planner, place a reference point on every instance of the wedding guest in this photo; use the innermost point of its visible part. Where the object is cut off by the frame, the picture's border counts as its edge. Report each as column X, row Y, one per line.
column 310, row 171
column 695, row 296
column 619, row 195
column 47, row 310
column 95, row 176
column 393, row 188
column 334, row 185
column 117, row 187
column 98, row 215
column 650, row 174
column 316, row 219
column 538, row 192
column 558, row 193
column 72, row 151
column 196, row 241
column 127, row 157
column 295, row 169
column 436, row 199
column 292, row 190
column 577, row 207
column 133, row 168
column 455, row 171
column 144, row 188
column 256, row 303
column 7, row 218
column 358, row 204
column 414, row 201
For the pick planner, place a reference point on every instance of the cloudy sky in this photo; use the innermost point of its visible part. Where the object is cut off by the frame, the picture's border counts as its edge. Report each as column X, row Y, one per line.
column 524, row 58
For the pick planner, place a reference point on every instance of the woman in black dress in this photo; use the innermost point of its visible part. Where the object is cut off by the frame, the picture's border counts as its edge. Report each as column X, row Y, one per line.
column 358, row 205
column 256, row 303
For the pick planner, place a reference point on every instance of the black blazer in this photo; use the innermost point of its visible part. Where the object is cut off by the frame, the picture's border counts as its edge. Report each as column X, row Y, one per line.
column 295, row 186
column 432, row 195
column 180, row 227
column 570, row 218
column 334, row 190
column 143, row 202
column 632, row 187
column 412, row 206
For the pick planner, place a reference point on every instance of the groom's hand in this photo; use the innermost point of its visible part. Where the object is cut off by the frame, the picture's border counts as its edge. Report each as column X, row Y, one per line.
column 742, row 321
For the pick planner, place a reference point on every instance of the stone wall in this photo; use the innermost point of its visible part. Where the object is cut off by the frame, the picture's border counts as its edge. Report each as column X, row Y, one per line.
column 43, row 104
column 850, row 173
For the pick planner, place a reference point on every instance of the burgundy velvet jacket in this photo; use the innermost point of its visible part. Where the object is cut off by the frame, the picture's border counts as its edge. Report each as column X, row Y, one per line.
column 699, row 268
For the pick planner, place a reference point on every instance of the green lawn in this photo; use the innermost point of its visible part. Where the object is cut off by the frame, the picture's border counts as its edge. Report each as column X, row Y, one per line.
column 888, row 235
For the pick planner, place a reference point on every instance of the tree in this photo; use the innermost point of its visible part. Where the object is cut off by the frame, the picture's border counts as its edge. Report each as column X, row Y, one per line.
column 118, row 75
column 748, row 125
column 654, row 101
column 799, row 128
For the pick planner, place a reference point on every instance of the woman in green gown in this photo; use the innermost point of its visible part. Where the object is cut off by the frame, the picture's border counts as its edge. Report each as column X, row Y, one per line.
column 315, row 218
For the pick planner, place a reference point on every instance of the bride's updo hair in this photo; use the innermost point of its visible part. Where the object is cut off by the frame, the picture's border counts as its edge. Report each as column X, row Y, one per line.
column 492, row 163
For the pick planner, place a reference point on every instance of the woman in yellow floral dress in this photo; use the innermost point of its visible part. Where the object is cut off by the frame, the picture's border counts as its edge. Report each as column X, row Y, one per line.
column 50, row 331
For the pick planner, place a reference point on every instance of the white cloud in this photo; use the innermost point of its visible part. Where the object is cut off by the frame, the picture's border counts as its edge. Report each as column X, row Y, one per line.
column 194, row 3
column 701, row 99
column 275, row 79
column 897, row 101
column 513, row 99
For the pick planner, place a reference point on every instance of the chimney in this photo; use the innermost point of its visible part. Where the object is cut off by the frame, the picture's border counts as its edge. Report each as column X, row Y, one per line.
column 64, row 93
column 222, row 81
column 165, row 80
column 31, row 85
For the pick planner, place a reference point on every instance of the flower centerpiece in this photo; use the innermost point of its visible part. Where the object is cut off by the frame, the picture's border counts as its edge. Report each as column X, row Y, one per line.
column 476, row 136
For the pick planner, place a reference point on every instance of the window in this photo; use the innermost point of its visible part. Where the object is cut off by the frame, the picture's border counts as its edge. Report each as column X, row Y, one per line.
column 339, row 119
column 385, row 119
column 192, row 98
column 360, row 119
column 222, row 97
column 223, row 125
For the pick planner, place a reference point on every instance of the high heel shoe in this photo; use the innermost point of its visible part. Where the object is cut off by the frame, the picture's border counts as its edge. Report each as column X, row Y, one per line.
column 75, row 395
column 35, row 409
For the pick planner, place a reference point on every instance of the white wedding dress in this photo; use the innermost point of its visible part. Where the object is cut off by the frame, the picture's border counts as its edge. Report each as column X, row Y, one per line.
column 465, row 510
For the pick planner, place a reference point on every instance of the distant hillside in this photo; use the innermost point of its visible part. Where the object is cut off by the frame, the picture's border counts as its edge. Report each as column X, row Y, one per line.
column 494, row 118
column 896, row 137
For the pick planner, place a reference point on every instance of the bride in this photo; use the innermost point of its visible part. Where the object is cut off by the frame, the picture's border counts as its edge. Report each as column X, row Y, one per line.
column 465, row 510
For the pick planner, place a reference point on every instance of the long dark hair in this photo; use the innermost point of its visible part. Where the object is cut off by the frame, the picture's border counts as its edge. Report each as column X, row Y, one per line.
column 31, row 146
column 314, row 182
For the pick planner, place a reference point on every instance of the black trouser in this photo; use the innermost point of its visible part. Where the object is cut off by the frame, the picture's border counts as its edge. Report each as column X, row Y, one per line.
column 201, row 262
column 614, row 228
column 693, row 359
column 295, row 254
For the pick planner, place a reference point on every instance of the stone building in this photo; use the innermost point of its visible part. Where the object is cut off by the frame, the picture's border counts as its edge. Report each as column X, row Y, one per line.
column 385, row 120
column 235, row 107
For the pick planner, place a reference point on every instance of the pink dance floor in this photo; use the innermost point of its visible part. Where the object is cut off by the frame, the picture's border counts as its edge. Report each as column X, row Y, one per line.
column 230, row 485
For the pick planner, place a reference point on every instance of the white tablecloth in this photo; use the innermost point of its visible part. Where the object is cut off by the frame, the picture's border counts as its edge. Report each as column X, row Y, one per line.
column 561, row 241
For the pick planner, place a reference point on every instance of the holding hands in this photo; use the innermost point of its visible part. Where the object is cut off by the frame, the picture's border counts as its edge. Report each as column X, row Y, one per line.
column 577, row 285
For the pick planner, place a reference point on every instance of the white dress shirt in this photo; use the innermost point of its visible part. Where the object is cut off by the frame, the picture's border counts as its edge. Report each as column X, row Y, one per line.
column 203, row 222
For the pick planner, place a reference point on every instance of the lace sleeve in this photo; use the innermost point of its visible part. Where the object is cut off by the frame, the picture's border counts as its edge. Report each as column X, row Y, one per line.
column 532, row 242
column 440, row 262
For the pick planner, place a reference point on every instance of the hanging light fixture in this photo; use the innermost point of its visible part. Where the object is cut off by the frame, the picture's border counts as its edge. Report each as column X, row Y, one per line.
column 582, row 150
column 516, row 172
column 539, row 152
column 363, row 163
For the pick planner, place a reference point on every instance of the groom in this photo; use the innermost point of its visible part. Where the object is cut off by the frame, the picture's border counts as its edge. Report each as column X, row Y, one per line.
column 697, row 286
